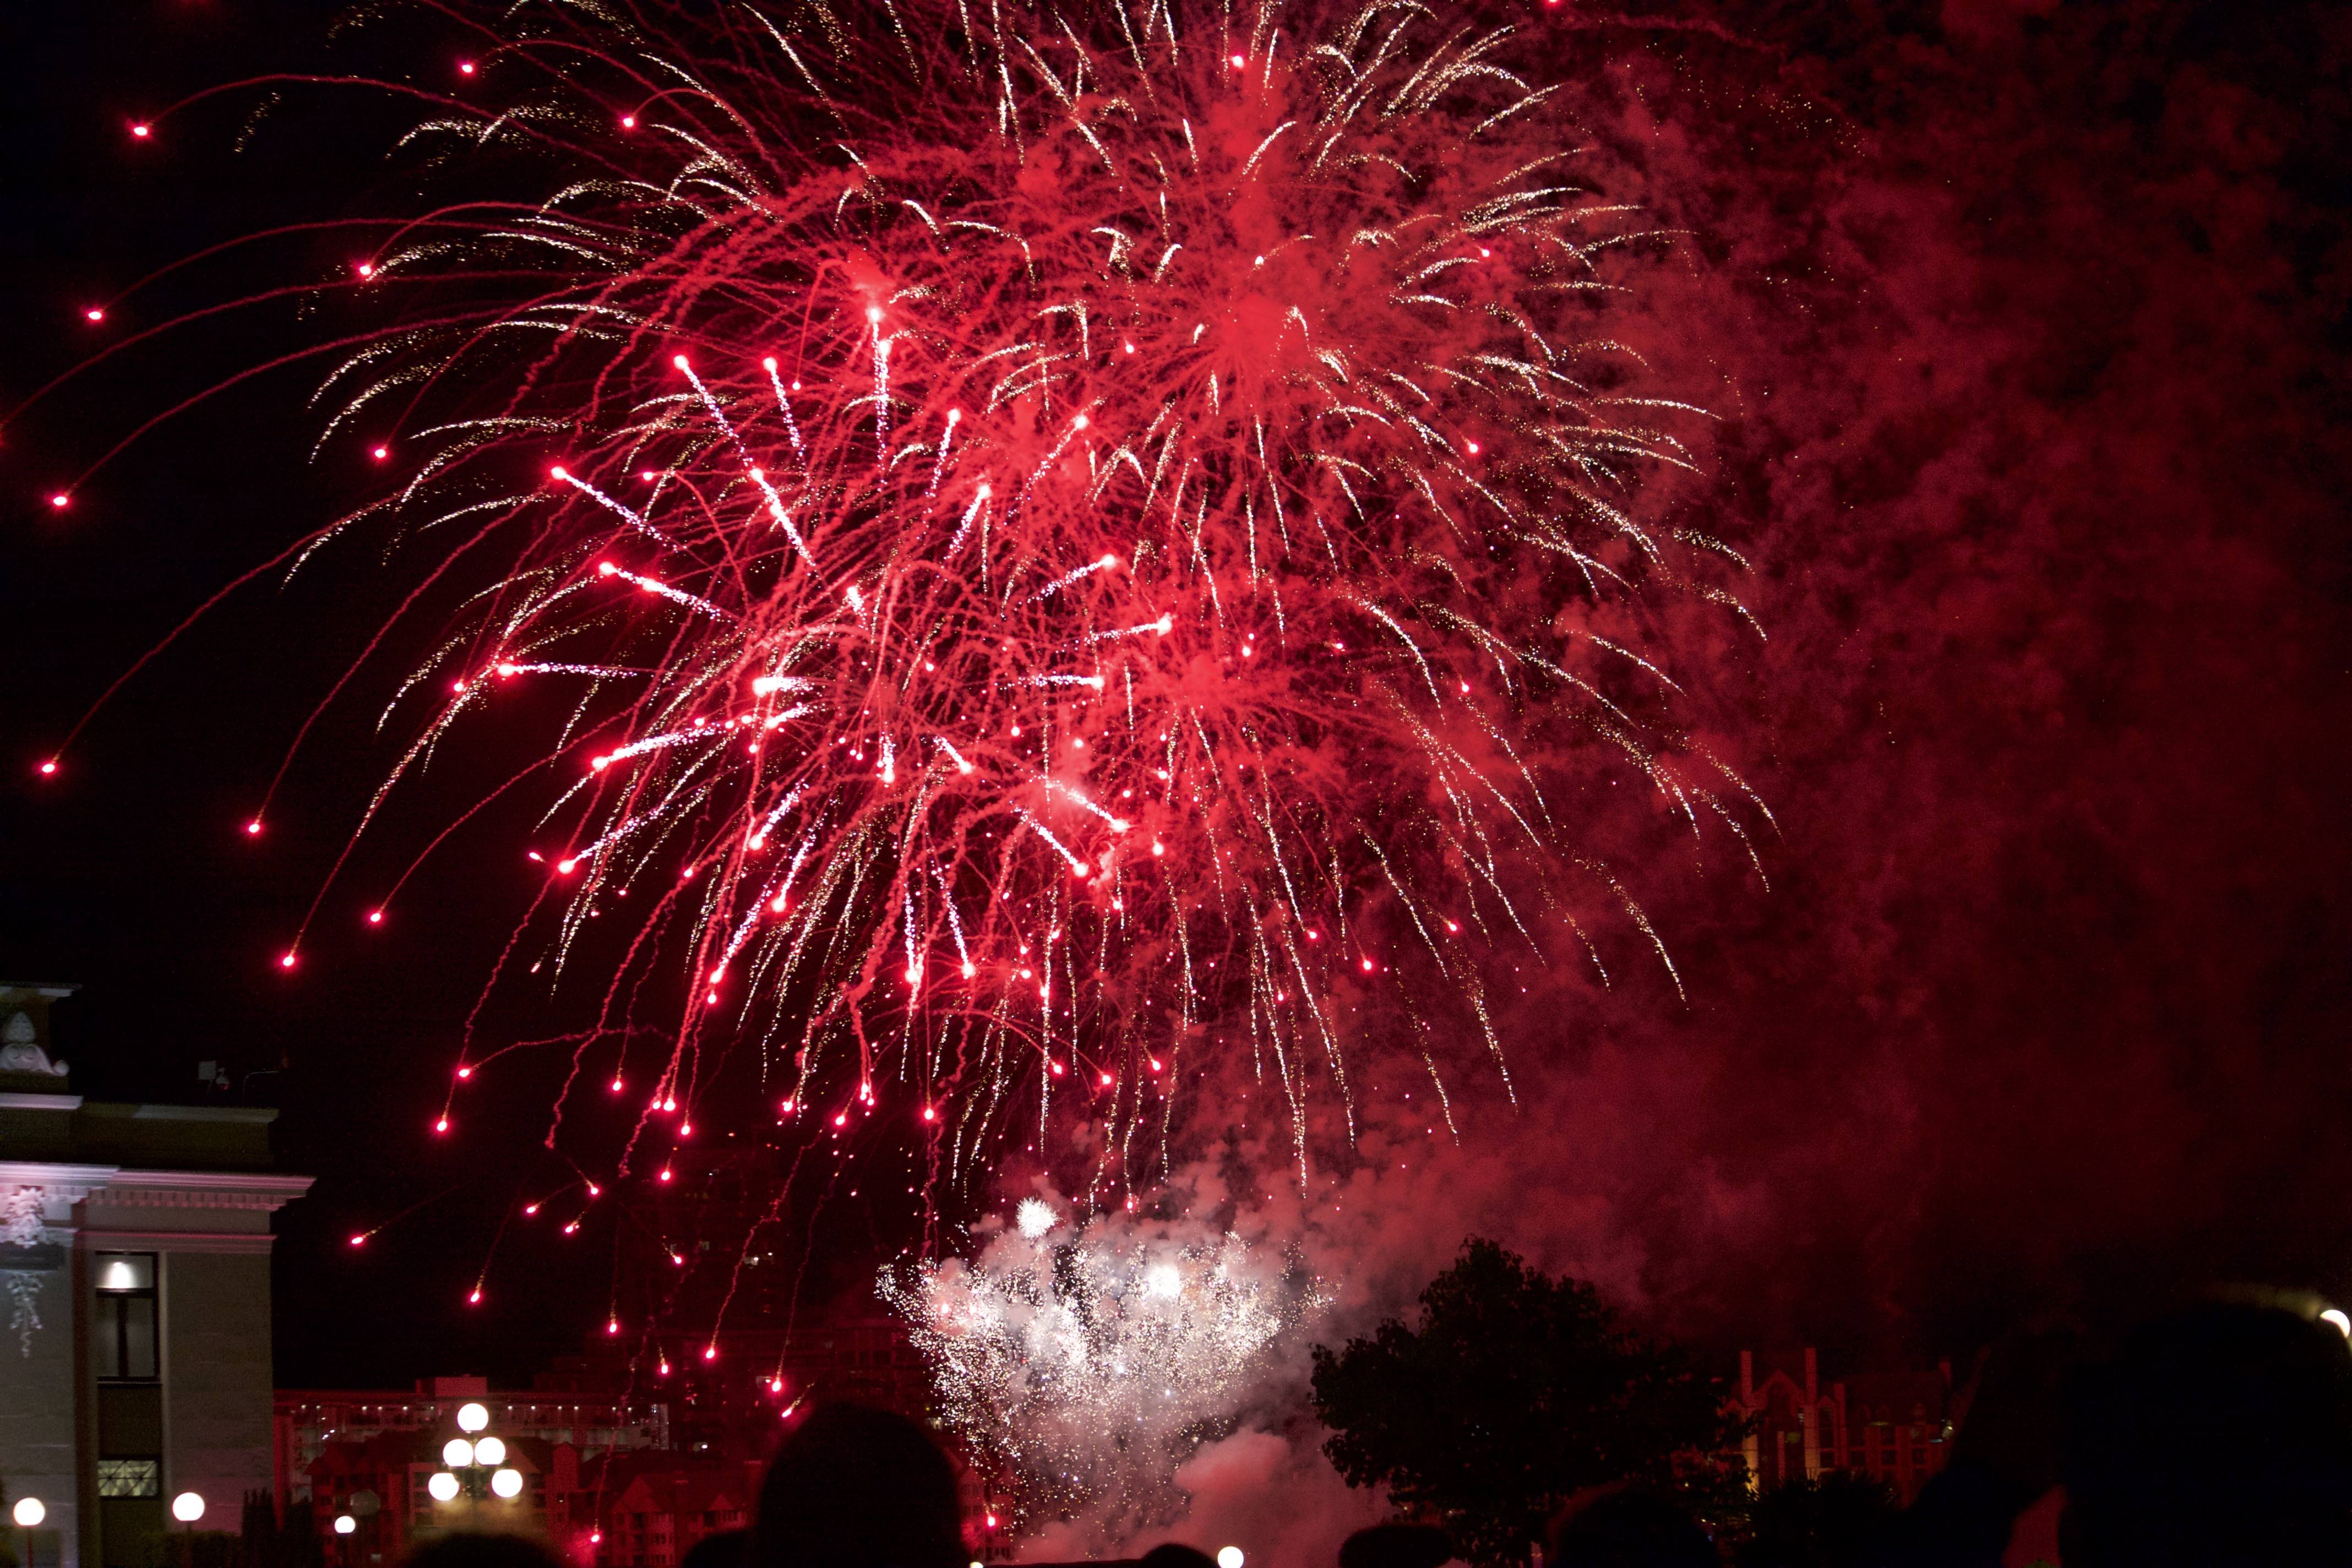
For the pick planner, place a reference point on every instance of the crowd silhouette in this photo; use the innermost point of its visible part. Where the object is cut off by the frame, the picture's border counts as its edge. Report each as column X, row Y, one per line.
column 2218, row 1437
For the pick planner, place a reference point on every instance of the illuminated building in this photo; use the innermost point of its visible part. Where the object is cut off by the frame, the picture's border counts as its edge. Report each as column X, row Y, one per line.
column 134, row 1250
column 1895, row 1427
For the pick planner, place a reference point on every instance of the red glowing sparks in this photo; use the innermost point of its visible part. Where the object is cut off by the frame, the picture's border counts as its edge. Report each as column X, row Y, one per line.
column 141, row 130
column 474, row 1296
column 360, row 1240
column 441, row 1124
column 286, row 960
column 803, row 542
column 253, row 827
column 95, row 313
column 48, row 768
column 376, row 917
column 61, row 501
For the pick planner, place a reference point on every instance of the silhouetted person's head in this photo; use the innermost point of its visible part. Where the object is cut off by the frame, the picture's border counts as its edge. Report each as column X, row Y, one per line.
column 721, row 1549
column 857, row 1487
column 1397, row 1546
column 1630, row 1528
column 1175, row 1554
column 2217, row 1437
column 468, row 1550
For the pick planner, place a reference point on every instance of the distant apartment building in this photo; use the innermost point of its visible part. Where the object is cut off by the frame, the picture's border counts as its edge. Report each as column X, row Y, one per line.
column 1895, row 1426
column 134, row 1272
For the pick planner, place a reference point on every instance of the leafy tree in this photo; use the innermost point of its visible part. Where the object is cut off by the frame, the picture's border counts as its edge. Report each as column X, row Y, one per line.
column 1833, row 1522
column 1515, row 1391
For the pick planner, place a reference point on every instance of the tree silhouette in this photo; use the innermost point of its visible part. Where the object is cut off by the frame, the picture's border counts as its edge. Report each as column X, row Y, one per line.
column 1515, row 1391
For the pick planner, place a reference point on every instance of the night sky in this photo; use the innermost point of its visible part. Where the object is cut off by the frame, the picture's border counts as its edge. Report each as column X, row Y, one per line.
column 2028, row 326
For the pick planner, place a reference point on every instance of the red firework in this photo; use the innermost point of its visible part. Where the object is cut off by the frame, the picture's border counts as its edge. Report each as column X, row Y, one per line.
column 1078, row 537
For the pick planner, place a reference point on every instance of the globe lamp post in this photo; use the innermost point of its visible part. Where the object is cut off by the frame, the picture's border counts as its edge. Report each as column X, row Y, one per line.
column 475, row 1465
column 28, row 1513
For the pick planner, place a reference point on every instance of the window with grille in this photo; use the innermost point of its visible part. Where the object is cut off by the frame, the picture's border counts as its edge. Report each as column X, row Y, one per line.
column 130, row 1478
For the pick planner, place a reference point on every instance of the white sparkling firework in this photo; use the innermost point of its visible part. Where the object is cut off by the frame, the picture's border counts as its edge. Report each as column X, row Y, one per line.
column 1091, row 1368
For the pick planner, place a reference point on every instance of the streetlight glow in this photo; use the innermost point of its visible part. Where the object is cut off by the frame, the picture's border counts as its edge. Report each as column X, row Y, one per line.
column 30, row 1511
column 472, row 1418
column 345, row 1524
column 443, row 1485
column 1229, row 1557
column 457, row 1453
column 489, row 1451
column 187, row 1507
column 507, row 1483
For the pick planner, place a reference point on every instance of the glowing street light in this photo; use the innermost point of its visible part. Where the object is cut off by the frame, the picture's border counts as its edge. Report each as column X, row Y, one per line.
column 29, row 1512
column 475, row 1467
column 345, row 1524
column 1229, row 1557
column 187, row 1507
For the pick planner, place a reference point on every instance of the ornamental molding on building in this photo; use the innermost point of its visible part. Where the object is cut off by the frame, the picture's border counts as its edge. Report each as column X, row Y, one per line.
column 149, row 1189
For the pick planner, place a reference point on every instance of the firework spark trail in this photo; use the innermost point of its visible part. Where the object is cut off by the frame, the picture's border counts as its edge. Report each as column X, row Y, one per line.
column 1298, row 360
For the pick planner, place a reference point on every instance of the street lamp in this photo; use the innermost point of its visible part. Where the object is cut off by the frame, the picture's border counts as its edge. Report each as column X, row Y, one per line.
column 28, row 1513
column 475, row 1465
column 345, row 1524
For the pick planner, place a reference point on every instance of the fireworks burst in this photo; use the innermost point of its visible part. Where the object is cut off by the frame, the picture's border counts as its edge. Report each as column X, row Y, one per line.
column 1091, row 1368
column 1082, row 551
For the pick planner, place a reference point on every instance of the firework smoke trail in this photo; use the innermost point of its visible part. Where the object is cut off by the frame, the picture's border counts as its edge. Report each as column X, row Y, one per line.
column 1089, row 1362
column 1134, row 495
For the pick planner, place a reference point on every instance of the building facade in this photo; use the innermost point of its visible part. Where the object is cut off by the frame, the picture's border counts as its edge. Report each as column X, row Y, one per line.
column 1893, row 1427
column 134, row 1253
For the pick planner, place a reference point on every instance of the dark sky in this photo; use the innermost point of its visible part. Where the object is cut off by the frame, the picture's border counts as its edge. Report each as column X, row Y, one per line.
column 2030, row 324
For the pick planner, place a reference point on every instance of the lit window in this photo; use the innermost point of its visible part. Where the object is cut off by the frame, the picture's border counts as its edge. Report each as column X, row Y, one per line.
column 123, row 1320
column 130, row 1478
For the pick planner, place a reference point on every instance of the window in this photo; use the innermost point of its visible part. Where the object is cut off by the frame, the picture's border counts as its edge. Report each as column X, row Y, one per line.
column 130, row 1478
column 122, row 1325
